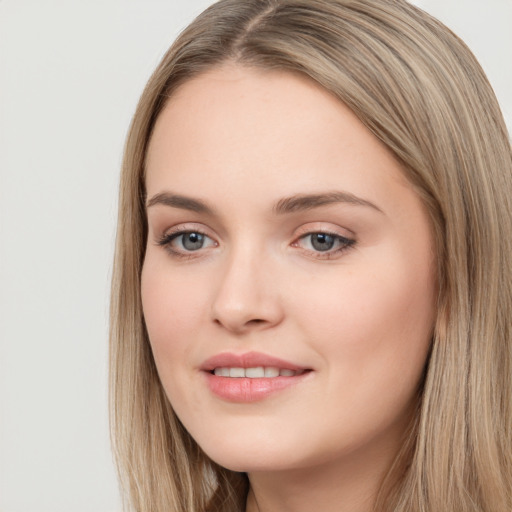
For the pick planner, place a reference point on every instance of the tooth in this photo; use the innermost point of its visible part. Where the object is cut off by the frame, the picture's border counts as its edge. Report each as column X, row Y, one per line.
column 237, row 372
column 271, row 372
column 255, row 373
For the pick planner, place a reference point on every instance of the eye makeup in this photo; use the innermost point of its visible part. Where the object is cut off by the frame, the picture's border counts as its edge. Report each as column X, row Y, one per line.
column 182, row 242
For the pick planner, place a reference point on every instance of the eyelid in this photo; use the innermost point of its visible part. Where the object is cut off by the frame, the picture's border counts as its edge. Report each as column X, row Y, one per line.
column 348, row 239
column 341, row 245
column 187, row 227
column 344, row 241
column 169, row 235
column 324, row 227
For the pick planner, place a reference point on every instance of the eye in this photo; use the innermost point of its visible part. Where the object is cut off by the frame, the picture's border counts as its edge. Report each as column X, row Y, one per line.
column 183, row 242
column 190, row 241
column 321, row 241
column 327, row 244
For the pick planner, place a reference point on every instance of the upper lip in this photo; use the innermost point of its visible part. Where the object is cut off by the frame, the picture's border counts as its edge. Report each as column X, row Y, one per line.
column 248, row 360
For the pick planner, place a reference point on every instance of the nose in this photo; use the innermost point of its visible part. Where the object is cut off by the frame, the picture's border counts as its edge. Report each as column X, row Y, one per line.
column 247, row 297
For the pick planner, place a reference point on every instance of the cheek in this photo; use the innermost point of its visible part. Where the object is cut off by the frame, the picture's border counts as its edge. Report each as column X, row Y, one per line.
column 172, row 311
column 374, row 324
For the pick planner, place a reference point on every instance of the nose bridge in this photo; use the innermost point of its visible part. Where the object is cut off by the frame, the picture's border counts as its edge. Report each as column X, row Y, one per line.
column 246, row 295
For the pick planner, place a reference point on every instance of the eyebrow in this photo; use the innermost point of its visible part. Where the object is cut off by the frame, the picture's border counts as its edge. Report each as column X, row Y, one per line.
column 178, row 201
column 302, row 202
column 292, row 204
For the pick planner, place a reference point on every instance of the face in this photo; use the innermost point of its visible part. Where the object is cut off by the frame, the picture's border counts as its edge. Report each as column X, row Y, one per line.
column 289, row 281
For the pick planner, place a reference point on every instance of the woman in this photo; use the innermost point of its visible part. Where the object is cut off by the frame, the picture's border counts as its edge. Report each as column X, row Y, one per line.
column 312, row 291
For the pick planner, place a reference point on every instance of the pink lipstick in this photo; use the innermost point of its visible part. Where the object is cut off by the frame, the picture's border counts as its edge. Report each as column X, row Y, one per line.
column 251, row 376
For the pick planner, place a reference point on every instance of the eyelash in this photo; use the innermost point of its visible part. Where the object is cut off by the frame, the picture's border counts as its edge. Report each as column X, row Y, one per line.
column 345, row 243
column 166, row 240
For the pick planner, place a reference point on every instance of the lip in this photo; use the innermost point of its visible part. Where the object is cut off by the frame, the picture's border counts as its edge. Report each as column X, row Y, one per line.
column 247, row 360
column 246, row 390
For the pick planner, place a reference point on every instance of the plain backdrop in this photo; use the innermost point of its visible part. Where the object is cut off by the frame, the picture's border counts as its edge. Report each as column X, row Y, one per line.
column 70, row 76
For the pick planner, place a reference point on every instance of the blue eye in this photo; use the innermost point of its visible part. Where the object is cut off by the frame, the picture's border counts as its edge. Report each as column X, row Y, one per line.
column 183, row 242
column 322, row 241
column 191, row 241
column 328, row 243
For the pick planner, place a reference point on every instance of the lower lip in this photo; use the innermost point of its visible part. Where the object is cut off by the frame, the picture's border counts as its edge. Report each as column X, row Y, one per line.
column 245, row 390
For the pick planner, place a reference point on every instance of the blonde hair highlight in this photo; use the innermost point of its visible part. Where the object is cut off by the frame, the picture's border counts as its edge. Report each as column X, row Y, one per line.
column 419, row 90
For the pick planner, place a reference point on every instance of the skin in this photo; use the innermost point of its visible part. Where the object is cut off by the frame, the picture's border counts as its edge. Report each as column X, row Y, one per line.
column 360, row 319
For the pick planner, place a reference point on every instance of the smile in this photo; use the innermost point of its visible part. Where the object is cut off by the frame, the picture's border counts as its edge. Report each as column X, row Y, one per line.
column 251, row 376
column 258, row 372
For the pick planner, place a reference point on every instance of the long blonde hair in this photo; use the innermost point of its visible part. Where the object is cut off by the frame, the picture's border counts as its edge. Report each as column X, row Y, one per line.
column 419, row 90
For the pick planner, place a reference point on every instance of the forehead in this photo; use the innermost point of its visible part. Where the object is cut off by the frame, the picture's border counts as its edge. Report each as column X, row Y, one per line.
column 257, row 130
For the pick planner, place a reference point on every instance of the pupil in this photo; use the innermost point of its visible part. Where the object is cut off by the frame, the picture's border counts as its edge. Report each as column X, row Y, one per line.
column 322, row 242
column 193, row 241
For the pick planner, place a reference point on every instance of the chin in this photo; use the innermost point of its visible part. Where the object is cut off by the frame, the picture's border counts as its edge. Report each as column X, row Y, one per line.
column 249, row 454
column 252, row 463
column 255, row 455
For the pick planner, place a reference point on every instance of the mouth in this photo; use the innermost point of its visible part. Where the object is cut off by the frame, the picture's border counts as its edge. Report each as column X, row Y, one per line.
column 256, row 372
column 250, row 377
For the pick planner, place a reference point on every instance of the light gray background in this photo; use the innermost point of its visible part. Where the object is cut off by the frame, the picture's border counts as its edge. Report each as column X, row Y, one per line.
column 70, row 76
